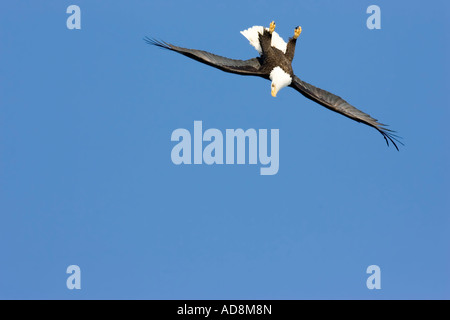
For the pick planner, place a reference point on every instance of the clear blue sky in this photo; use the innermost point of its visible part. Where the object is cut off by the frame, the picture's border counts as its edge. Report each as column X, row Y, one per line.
column 86, row 175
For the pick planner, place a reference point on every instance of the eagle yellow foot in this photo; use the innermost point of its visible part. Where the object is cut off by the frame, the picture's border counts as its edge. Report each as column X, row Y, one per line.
column 272, row 27
column 297, row 32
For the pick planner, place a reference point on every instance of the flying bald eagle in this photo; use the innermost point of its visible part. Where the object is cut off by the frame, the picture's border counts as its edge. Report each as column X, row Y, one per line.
column 275, row 63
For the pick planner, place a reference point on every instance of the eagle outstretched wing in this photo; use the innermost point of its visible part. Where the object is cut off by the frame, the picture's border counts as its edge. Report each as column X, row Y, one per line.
column 242, row 67
column 341, row 106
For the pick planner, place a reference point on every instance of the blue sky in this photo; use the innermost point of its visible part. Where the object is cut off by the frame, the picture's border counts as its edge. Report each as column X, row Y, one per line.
column 86, row 176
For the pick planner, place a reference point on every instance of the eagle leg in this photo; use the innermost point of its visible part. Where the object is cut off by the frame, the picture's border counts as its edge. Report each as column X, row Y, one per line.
column 297, row 32
column 272, row 27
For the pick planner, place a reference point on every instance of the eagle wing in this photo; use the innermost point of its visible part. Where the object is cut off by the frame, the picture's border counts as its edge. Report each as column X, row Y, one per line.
column 242, row 67
column 337, row 104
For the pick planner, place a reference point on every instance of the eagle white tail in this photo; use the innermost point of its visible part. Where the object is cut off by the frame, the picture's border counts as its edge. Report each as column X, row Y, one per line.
column 252, row 34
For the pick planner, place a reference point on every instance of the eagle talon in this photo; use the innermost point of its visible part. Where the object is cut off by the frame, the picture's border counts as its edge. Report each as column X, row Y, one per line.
column 297, row 32
column 272, row 27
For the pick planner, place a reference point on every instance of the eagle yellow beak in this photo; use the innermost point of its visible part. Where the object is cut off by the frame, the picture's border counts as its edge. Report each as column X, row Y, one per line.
column 274, row 91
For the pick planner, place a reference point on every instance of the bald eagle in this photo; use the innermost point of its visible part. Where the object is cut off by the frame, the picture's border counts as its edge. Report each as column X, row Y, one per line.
column 274, row 63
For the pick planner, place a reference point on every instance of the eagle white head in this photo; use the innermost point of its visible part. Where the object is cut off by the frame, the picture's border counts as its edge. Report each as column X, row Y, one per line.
column 280, row 79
